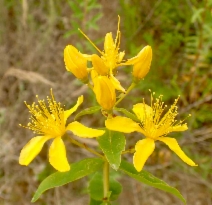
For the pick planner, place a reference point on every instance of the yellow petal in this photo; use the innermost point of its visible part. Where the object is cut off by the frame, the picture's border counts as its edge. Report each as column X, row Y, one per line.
column 32, row 149
column 122, row 124
column 94, row 75
column 88, row 57
column 174, row 146
column 67, row 113
column 109, row 43
column 99, row 65
column 105, row 92
column 57, row 155
column 116, row 83
column 179, row 128
column 75, row 62
column 143, row 149
column 142, row 65
column 82, row 131
column 135, row 59
column 121, row 56
column 142, row 111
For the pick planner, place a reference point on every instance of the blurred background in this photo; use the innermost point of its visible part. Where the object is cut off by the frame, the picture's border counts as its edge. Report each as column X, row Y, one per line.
column 33, row 35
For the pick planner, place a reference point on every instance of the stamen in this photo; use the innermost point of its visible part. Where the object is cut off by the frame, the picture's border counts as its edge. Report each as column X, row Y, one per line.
column 46, row 120
column 90, row 41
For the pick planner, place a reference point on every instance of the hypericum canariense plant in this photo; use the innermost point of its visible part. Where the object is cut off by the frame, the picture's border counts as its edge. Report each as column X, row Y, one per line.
column 153, row 122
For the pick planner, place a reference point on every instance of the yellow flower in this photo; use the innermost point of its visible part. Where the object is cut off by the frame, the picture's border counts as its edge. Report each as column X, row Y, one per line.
column 105, row 92
column 50, row 123
column 154, row 125
column 76, row 63
column 111, row 58
column 141, row 63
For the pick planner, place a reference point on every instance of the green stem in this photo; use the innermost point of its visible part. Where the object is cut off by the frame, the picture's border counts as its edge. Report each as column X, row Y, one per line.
column 106, row 179
column 128, row 90
column 87, row 148
column 128, row 151
column 90, row 86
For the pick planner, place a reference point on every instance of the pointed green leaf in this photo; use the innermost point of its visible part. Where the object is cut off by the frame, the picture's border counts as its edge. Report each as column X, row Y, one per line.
column 112, row 144
column 88, row 111
column 128, row 114
column 78, row 170
column 96, row 188
column 147, row 178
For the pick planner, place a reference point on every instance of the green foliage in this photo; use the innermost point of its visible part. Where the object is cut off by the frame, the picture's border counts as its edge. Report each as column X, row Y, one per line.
column 96, row 188
column 78, row 170
column 85, row 15
column 147, row 178
column 112, row 144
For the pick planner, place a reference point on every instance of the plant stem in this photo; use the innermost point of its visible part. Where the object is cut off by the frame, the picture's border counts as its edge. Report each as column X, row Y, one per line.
column 106, row 179
column 87, row 148
column 128, row 151
column 90, row 86
column 128, row 90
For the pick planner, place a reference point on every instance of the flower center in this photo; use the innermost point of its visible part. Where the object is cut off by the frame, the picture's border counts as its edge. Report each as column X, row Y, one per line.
column 47, row 120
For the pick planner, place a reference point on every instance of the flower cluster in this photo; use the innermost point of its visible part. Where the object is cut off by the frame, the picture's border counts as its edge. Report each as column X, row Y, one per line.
column 49, row 121
column 105, row 67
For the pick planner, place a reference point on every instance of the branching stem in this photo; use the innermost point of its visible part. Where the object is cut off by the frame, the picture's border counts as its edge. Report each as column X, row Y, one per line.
column 128, row 90
column 87, row 148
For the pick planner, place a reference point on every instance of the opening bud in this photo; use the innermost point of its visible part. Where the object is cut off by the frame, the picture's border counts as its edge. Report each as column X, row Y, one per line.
column 141, row 63
column 76, row 63
column 105, row 92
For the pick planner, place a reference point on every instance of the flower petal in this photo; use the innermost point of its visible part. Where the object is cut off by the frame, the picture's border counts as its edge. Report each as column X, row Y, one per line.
column 116, row 83
column 75, row 62
column 94, row 75
column 32, row 149
column 99, row 65
column 57, row 155
column 105, row 92
column 132, row 61
column 143, row 149
column 179, row 128
column 82, row 131
column 142, row 111
column 67, row 113
column 174, row 146
column 123, row 124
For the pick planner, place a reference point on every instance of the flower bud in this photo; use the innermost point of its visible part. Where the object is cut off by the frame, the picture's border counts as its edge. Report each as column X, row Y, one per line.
column 76, row 63
column 141, row 63
column 99, row 65
column 105, row 92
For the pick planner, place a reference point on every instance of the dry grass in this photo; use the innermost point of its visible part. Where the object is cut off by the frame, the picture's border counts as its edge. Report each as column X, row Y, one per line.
column 31, row 62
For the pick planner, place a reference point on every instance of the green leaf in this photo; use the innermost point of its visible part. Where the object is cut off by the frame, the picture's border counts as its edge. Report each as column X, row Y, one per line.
column 88, row 111
column 105, row 203
column 94, row 202
column 78, row 170
column 112, row 144
column 147, row 178
column 128, row 114
column 96, row 188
